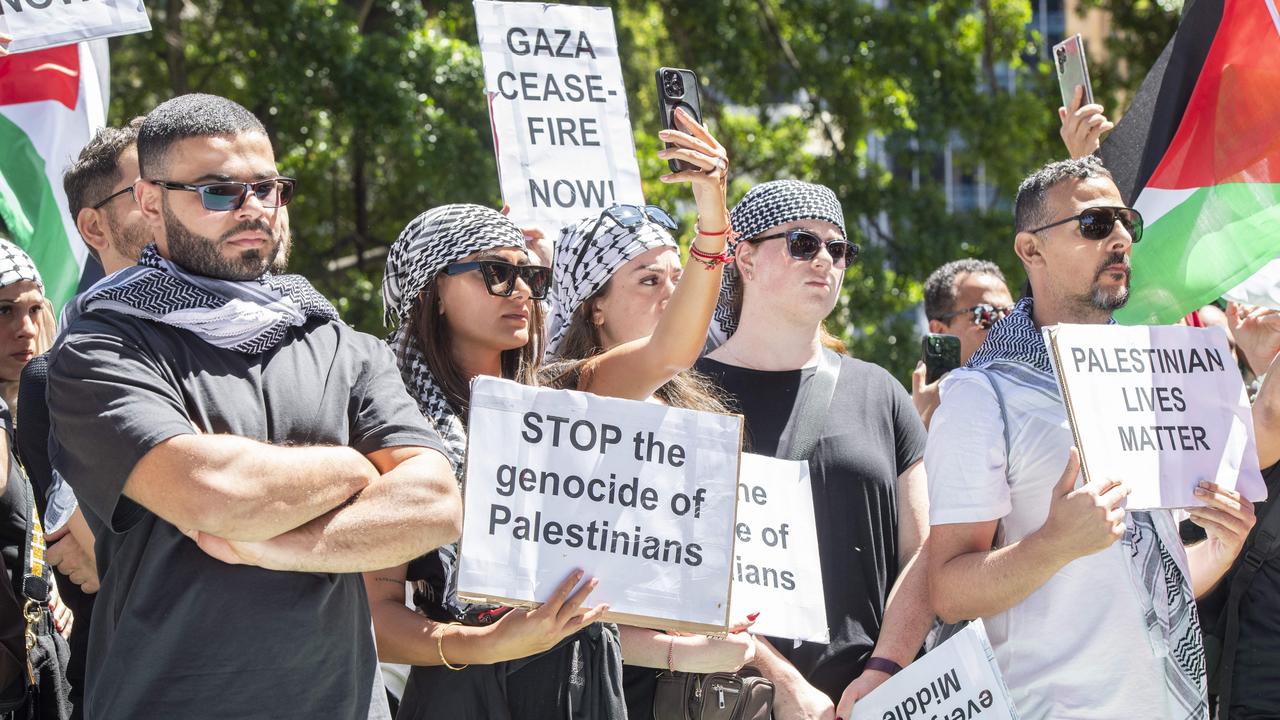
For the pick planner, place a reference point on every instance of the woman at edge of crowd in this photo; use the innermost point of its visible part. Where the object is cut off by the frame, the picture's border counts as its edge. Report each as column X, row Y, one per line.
column 614, row 279
column 460, row 282
column 869, row 491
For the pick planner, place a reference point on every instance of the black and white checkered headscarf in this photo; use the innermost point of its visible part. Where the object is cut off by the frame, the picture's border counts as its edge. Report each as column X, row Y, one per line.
column 429, row 242
column 16, row 266
column 766, row 206
column 580, row 271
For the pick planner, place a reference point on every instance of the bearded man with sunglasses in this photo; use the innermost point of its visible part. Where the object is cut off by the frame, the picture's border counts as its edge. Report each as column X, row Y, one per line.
column 1091, row 610
column 240, row 453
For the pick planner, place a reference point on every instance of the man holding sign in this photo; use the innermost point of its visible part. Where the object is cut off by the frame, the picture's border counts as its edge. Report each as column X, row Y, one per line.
column 1082, row 625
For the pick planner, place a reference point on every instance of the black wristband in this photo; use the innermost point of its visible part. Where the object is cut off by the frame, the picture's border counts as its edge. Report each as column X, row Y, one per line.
column 884, row 665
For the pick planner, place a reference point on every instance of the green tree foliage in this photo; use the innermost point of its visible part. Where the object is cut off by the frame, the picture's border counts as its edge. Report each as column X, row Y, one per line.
column 378, row 109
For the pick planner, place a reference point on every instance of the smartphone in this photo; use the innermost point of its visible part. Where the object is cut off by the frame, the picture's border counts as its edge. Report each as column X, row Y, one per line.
column 677, row 88
column 941, row 355
column 1073, row 69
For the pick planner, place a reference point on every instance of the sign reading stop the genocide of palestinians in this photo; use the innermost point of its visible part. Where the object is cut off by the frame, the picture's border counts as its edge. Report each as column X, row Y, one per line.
column 958, row 680
column 641, row 496
column 37, row 24
column 776, row 567
column 559, row 111
column 1160, row 408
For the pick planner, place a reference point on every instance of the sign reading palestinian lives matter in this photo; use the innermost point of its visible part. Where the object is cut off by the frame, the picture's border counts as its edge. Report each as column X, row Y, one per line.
column 558, row 108
column 1161, row 408
column 776, row 571
column 639, row 495
column 37, row 24
column 958, row 680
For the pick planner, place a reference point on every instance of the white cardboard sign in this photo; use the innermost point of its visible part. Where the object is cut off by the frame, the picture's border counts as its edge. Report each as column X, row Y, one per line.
column 639, row 495
column 958, row 680
column 1161, row 408
column 38, row 24
column 558, row 108
column 776, row 570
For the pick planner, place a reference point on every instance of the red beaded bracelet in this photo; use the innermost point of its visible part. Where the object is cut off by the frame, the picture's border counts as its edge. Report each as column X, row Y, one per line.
column 709, row 260
column 700, row 231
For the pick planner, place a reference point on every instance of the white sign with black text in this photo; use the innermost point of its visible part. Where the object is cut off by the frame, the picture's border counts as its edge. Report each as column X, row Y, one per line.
column 38, row 24
column 1160, row 408
column 639, row 495
column 558, row 108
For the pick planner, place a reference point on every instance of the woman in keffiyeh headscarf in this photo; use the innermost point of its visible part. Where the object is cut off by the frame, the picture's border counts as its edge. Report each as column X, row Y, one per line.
column 460, row 282
column 26, row 318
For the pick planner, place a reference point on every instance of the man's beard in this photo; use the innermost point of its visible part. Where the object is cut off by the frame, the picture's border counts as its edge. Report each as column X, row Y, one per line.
column 129, row 240
column 1108, row 300
column 199, row 254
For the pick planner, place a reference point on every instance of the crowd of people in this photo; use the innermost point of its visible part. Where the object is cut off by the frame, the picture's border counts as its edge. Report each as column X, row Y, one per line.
column 250, row 505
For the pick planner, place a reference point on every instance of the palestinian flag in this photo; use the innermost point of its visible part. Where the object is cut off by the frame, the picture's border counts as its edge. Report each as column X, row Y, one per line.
column 1198, row 154
column 51, row 103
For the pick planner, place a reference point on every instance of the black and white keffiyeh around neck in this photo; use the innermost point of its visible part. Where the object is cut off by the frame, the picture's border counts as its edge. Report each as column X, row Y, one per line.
column 584, row 265
column 247, row 316
column 1173, row 626
column 765, row 206
column 429, row 242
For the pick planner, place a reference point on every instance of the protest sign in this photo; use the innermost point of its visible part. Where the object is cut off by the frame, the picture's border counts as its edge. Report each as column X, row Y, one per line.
column 36, row 24
column 958, row 680
column 559, row 111
column 1161, row 408
column 639, row 495
column 776, row 570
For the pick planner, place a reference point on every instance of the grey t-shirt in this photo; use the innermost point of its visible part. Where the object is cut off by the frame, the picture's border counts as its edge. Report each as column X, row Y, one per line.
column 175, row 632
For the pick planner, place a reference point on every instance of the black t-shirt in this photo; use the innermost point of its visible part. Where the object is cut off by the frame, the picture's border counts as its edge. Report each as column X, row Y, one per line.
column 176, row 633
column 871, row 436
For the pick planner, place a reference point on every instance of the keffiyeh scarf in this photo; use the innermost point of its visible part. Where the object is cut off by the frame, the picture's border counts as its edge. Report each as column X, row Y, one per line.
column 428, row 243
column 1173, row 626
column 584, row 265
column 764, row 206
column 16, row 266
column 249, row 316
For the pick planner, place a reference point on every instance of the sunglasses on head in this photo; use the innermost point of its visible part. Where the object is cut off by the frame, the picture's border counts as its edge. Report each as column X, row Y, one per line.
column 627, row 217
column 982, row 314
column 1097, row 223
column 224, row 196
column 804, row 245
column 500, row 276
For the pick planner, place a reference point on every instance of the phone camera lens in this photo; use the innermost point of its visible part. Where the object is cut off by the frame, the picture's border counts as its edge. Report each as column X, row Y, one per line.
column 672, row 83
column 1062, row 59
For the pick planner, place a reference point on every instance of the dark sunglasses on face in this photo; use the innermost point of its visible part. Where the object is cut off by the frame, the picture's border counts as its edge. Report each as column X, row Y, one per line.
column 628, row 217
column 1097, row 223
column 982, row 314
column 804, row 245
column 113, row 196
column 500, row 277
column 224, row 196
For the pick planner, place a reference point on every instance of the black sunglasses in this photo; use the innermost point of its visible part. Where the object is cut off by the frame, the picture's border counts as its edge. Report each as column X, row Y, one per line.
column 1096, row 223
column 224, row 196
column 804, row 245
column 982, row 314
column 500, row 277
column 113, row 196
column 628, row 217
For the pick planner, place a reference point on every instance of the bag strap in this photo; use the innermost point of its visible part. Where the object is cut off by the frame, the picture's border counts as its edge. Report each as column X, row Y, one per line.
column 1262, row 545
column 810, row 414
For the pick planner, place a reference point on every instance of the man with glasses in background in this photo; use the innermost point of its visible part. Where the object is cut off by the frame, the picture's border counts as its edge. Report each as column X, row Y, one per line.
column 1090, row 609
column 963, row 298
column 239, row 452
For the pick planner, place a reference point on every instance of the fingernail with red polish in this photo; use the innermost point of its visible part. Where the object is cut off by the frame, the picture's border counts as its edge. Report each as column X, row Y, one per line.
column 752, row 617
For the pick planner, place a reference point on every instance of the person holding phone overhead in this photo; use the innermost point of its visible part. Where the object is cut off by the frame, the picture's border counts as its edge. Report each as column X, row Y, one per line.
column 468, row 300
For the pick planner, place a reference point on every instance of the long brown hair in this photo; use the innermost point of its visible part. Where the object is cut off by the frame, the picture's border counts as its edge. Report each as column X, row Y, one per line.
column 431, row 334
column 690, row 389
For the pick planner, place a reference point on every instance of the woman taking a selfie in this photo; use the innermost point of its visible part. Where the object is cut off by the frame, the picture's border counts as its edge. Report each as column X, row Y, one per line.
column 468, row 300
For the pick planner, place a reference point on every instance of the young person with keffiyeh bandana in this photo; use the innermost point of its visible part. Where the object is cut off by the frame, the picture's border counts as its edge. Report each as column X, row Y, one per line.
column 240, row 453
column 1090, row 609
column 461, row 284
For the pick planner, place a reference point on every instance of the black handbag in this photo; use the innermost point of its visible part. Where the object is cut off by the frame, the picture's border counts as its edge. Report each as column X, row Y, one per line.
column 715, row 696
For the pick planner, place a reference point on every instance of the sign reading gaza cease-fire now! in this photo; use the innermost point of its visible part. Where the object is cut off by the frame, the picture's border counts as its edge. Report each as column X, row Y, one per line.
column 958, row 680
column 1161, row 408
column 37, row 24
column 641, row 496
column 559, row 111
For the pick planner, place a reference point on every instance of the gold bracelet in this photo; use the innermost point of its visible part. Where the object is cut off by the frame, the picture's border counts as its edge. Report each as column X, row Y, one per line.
column 440, row 647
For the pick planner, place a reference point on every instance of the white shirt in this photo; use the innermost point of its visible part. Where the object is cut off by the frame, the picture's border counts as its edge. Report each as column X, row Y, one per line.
column 1077, row 647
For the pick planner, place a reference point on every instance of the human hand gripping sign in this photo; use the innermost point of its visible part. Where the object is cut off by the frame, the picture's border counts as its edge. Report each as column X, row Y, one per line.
column 1083, row 520
column 526, row 632
column 1226, row 518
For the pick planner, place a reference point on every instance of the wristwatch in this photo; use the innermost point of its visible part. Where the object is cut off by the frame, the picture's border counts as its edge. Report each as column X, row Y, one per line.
column 884, row 665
